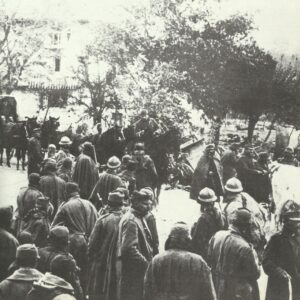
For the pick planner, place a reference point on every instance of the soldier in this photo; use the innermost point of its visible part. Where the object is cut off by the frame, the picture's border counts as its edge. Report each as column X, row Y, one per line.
column 97, row 143
column 35, row 155
column 282, row 256
column 237, row 199
column 86, row 172
column 37, row 221
column 17, row 286
column 79, row 216
column 233, row 260
column 108, row 181
column 208, row 173
column 229, row 162
column 146, row 126
column 59, row 284
column 64, row 151
column 8, row 243
column 288, row 158
column 145, row 171
column 127, row 172
column 58, row 244
column 26, row 200
column 178, row 273
column 209, row 222
column 53, row 186
column 134, row 250
column 102, row 251
column 247, row 171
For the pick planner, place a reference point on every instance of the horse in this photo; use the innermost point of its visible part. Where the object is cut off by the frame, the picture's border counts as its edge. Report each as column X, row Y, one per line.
column 6, row 140
column 31, row 124
column 116, row 141
column 285, row 184
column 2, row 139
column 19, row 142
column 163, row 149
column 49, row 134
column 13, row 136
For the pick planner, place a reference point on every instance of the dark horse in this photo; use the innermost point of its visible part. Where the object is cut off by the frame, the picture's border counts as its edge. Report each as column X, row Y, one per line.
column 49, row 133
column 161, row 149
column 13, row 135
column 31, row 123
column 114, row 142
column 20, row 142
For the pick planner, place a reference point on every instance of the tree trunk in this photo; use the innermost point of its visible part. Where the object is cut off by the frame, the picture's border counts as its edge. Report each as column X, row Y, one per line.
column 215, row 132
column 291, row 135
column 270, row 130
column 251, row 126
column 46, row 113
column 97, row 116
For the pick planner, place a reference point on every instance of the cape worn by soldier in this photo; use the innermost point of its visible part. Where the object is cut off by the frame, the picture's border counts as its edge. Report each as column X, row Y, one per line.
column 8, row 243
column 16, row 286
column 208, row 173
column 85, row 171
column 108, row 181
column 134, row 250
column 234, row 262
column 210, row 221
column 52, row 186
column 26, row 201
column 51, row 287
column 35, row 156
column 79, row 216
column 177, row 273
column 281, row 259
column 102, row 252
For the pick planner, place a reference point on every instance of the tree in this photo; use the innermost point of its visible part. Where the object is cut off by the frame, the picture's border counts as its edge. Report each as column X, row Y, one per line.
column 21, row 42
column 249, row 77
column 98, row 79
column 286, row 92
column 182, row 37
column 143, row 81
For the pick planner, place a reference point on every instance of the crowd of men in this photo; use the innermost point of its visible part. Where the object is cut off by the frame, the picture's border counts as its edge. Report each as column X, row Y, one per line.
column 80, row 234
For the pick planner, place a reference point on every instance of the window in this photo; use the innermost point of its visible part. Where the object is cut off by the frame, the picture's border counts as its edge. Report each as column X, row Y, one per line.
column 57, row 64
column 56, row 39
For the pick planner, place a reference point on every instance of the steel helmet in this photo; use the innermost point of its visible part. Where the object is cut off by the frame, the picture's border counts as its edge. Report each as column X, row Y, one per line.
column 233, row 185
column 207, row 195
column 65, row 141
column 113, row 163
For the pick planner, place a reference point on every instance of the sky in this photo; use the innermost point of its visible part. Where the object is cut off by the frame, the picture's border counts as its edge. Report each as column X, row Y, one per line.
column 278, row 21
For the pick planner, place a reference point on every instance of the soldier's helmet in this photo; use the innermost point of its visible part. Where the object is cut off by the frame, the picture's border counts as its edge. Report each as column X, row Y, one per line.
column 113, row 162
column 289, row 211
column 207, row 195
column 233, row 185
column 65, row 141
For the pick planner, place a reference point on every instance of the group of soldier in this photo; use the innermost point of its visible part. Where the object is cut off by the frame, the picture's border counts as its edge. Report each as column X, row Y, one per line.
column 231, row 236
column 80, row 234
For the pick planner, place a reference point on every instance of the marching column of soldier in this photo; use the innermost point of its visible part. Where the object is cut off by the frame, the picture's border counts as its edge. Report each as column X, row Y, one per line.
column 78, row 233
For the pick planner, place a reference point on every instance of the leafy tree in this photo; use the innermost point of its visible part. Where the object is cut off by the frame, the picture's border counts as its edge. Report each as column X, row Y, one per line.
column 21, row 42
column 97, row 82
column 286, row 92
column 143, row 80
column 182, row 38
column 249, row 79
